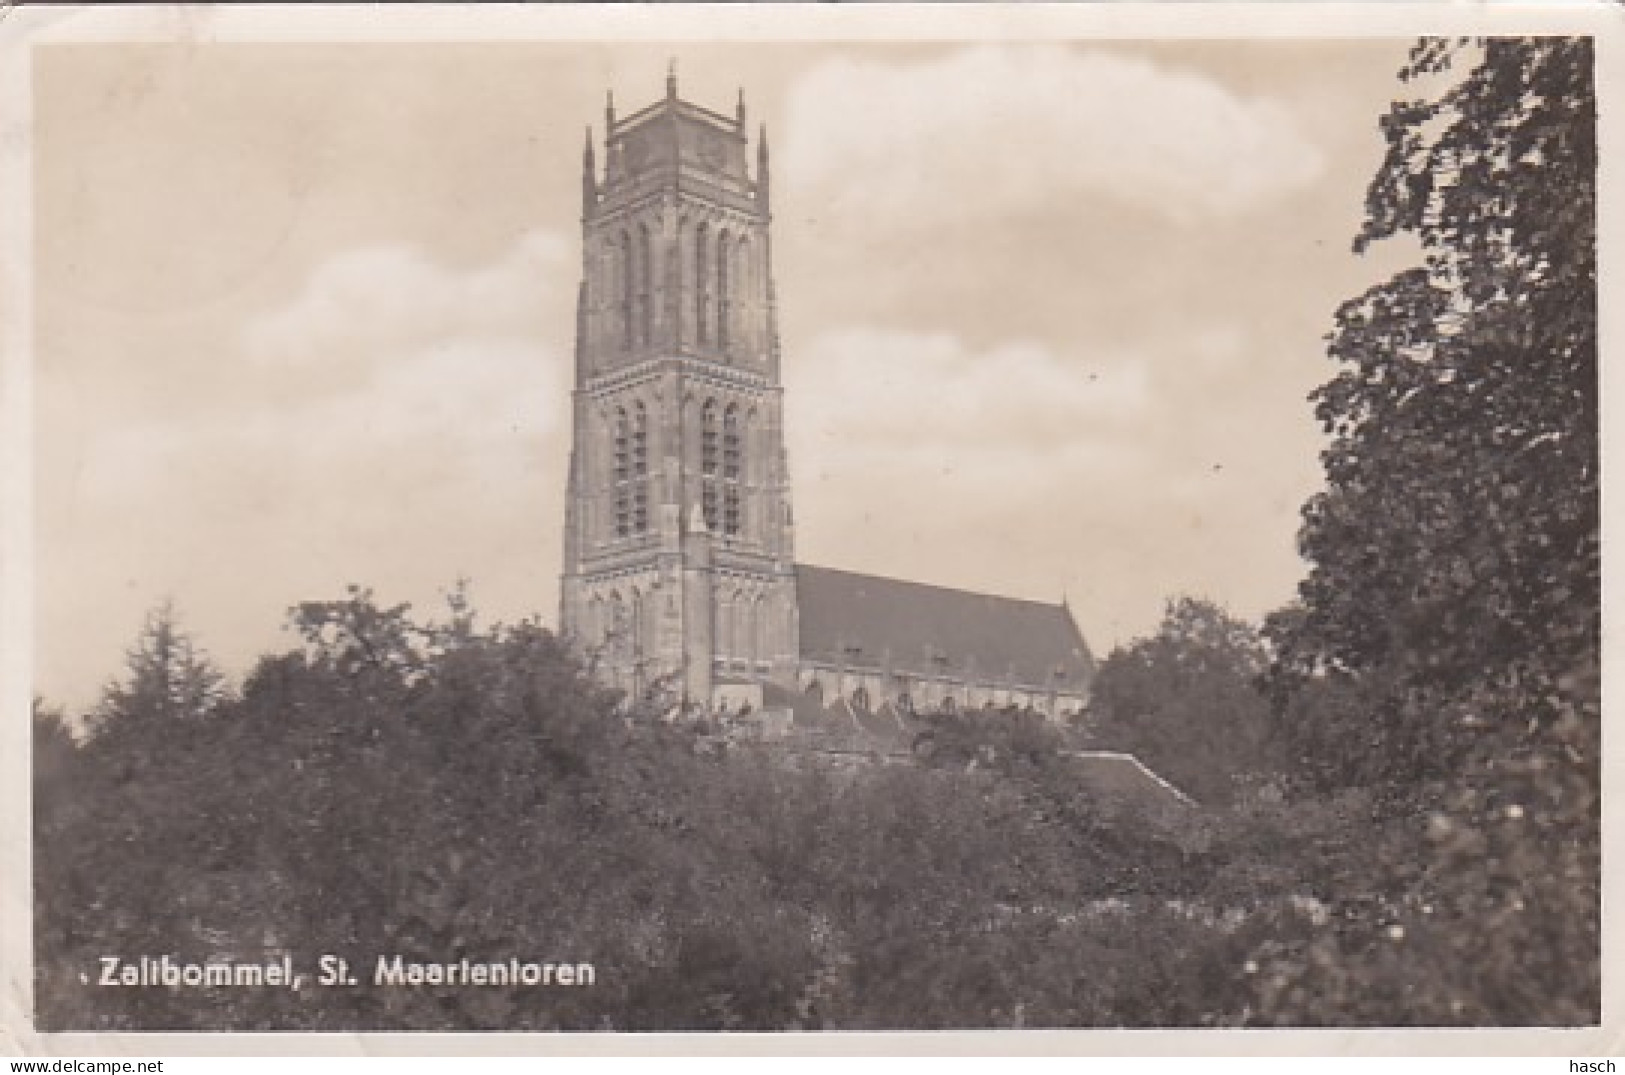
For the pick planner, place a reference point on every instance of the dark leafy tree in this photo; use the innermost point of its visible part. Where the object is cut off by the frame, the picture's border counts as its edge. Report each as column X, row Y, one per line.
column 1008, row 739
column 1457, row 540
column 58, row 806
column 1448, row 640
column 1185, row 701
column 441, row 791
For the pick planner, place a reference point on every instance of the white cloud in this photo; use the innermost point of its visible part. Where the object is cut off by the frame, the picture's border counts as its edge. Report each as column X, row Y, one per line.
column 863, row 402
column 997, row 129
column 360, row 307
column 385, row 360
column 404, row 428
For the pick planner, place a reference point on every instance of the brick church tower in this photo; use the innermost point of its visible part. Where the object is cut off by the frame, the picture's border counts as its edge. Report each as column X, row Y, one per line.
column 679, row 566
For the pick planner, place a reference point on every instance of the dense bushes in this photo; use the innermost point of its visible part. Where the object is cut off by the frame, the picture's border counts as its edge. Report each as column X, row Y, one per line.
column 1186, row 702
column 439, row 792
column 398, row 789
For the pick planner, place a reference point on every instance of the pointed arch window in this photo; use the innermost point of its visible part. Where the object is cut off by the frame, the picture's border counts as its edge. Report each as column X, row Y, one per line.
column 623, row 474
column 722, row 290
column 751, row 645
column 640, row 470
column 732, row 470
column 702, row 284
column 626, row 291
column 645, row 306
column 710, row 463
column 631, row 471
column 744, row 291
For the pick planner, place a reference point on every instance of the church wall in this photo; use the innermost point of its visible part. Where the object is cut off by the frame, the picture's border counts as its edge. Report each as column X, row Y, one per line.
column 931, row 694
column 618, row 629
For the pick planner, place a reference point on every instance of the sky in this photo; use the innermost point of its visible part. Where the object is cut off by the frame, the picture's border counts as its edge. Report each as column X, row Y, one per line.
column 1050, row 315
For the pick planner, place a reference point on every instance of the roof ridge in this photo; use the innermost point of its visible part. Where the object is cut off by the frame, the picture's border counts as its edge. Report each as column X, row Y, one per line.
column 893, row 581
column 1133, row 759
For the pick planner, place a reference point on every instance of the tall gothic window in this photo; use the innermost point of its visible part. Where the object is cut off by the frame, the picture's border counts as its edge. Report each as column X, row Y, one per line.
column 645, row 306
column 626, row 291
column 623, row 475
column 722, row 290
column 702, row 285
column 710, row 463
column 744, row 285
column 631, row 471
column 732, row 468
column 640, row 470
column 750, row 629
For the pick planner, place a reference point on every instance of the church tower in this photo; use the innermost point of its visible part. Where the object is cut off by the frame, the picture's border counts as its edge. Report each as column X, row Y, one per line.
column 679, row 566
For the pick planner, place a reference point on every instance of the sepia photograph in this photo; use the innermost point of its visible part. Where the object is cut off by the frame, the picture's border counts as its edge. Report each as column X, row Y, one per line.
column 811, row 528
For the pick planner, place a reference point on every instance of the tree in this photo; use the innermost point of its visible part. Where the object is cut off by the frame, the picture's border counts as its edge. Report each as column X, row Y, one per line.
column 357, row 637
column 1457, row 540
column 442, row 791
column 168, row 678
column 54, row 744
column 1184, row 700
column 1448, row 640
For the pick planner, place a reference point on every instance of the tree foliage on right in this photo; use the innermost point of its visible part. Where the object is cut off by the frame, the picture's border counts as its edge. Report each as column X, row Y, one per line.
column 1447, row 643
column 1456, row 545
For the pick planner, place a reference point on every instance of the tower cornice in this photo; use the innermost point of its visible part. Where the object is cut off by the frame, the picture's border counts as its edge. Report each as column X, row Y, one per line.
column 629, row 197
column 690, row 367
column 729, row 125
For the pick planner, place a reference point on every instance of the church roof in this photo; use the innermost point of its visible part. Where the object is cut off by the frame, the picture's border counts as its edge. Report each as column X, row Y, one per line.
column 868, row 621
